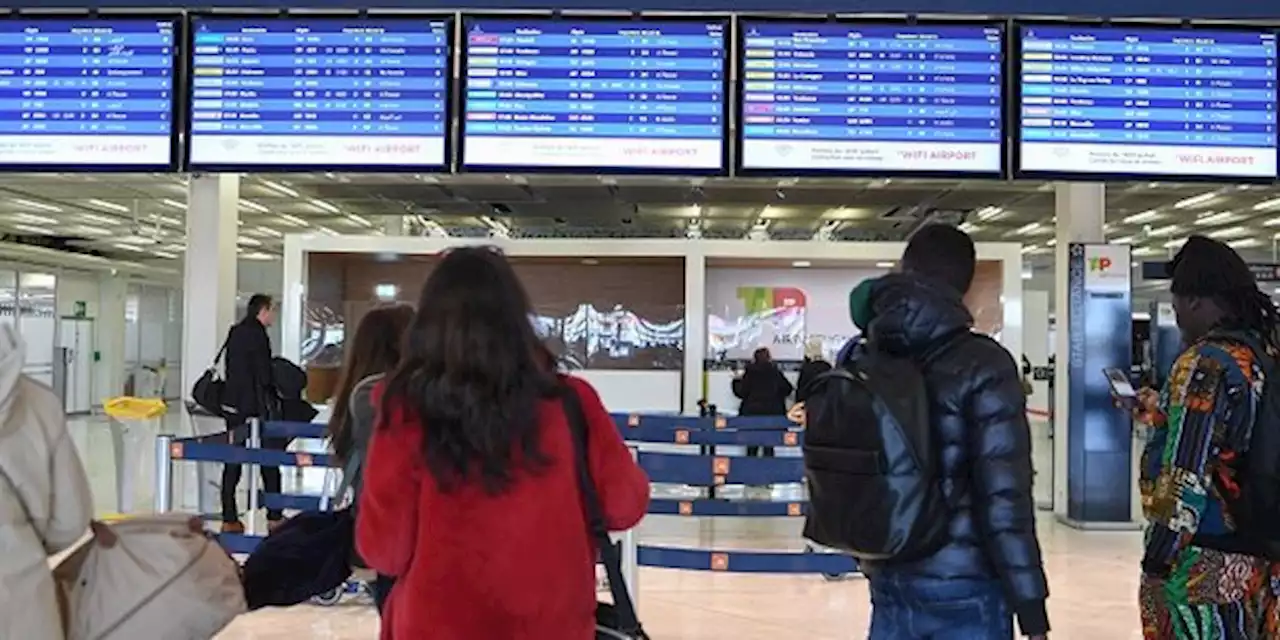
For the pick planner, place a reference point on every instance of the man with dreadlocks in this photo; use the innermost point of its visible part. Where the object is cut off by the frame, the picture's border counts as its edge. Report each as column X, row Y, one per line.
column 1196, row 581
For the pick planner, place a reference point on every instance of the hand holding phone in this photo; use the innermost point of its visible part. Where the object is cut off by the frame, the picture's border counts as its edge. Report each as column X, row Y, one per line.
column 1122, row 390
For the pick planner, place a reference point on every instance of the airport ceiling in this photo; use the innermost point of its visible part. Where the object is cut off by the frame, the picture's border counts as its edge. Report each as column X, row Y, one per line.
column 140, row 216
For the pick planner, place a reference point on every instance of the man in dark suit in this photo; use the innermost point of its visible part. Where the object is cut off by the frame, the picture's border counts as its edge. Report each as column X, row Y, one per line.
column 249, row 393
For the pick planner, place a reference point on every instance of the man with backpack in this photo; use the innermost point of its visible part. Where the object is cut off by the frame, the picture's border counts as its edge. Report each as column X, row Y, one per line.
column 1210, row 475
column 918, row 457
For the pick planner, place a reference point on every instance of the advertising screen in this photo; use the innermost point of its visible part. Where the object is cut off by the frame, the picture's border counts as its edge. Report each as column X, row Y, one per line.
column 1164, row 102
column 85, row 93
column 872, row 97
column 594, row 94
column 319, row 92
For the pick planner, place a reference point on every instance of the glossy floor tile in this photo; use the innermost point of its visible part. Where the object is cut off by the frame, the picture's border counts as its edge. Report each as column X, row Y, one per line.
column 1093, row 576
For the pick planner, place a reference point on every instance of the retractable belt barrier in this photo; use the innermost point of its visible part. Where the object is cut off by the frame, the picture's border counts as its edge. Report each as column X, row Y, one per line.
column 700, row 471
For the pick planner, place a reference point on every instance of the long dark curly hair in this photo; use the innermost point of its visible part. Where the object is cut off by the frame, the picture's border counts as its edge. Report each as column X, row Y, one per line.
column 474, row 373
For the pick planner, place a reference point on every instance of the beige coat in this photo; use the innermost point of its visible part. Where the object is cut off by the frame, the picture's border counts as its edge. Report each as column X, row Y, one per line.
column 45, row 501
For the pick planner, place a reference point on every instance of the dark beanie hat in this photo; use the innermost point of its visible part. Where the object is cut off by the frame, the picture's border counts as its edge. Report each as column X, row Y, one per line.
column 1207, row 268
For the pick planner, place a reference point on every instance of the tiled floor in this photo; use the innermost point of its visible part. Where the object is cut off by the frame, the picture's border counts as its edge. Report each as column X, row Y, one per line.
column 1093, row 576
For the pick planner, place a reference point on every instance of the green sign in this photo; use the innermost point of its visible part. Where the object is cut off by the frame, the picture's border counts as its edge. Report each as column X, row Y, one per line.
column 81, row 309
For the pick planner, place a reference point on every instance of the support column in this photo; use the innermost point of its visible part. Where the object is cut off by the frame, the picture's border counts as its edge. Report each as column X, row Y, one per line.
column 1093, row 442
column 110, row 326
column 695, row 330
column 208, row 304
column 209, row 270
column 395, row 225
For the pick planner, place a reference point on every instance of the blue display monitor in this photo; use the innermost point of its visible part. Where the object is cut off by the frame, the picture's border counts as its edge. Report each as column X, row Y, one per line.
column 84, row 94
column 823, row 97
column 590, row 95
column 1119, row 101
column 276, row 93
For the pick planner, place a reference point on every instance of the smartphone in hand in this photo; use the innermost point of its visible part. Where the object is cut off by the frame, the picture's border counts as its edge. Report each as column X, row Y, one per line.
column 1122, row 390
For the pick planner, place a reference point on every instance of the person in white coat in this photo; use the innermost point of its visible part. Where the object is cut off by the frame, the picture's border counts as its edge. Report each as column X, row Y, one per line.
column 45, row 500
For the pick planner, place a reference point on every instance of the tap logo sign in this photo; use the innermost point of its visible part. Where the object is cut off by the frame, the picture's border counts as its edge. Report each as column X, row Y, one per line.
column 780, row 316
column 1106, row 268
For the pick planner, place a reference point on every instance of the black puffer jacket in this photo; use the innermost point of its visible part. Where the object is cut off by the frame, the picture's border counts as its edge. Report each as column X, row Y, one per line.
column 979, row 416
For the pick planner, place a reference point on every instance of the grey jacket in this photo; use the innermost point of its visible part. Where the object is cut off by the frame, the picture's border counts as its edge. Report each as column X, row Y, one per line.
column 363, row 416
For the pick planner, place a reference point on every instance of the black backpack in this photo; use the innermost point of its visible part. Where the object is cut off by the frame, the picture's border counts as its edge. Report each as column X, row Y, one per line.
column 1256, row 509
column 871, row 461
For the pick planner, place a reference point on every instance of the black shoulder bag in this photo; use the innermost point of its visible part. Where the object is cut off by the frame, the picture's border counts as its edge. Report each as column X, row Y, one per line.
column 617, row 621
column 209, row 391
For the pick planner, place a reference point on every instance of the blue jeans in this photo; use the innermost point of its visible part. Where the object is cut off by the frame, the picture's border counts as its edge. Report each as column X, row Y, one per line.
column 905, row 607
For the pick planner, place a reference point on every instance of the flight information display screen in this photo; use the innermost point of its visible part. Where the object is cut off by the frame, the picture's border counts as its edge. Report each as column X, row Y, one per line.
column 332, row 92
column 86, row 92
column 1166, row 102
column 872, row 97
column 595, row 94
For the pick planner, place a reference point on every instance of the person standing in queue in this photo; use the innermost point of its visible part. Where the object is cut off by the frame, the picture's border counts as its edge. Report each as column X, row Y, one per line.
column 371, row 353
column 249, row 393
column 763, row 391
column 470, row 496
column 814, row 366
column 988, row 572
column 1204, row 571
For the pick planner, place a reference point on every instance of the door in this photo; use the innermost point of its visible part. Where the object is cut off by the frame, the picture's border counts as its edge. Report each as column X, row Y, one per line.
column 75, row 337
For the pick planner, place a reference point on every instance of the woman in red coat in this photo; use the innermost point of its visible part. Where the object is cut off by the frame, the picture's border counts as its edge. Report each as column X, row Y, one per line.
column 470, row 495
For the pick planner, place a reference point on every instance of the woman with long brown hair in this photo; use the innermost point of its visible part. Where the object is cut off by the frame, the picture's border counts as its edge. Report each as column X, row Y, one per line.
column 472, row 500
column 372, row 352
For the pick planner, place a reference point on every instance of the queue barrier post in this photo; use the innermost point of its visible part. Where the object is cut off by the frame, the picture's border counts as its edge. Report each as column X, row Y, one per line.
column 255, row 442
column 163, row 501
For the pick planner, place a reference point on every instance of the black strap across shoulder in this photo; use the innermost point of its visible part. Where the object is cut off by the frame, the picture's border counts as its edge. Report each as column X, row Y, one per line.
column 609, row 552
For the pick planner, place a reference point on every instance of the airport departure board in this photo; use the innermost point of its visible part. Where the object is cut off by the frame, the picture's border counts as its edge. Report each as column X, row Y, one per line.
column 298, row 92
column 85, row 93
column 831, row 96
column 1164, row 102
column 594, row 95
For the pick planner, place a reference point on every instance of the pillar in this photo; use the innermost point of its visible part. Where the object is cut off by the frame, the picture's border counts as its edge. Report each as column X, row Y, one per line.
column 209, row 270
column 1093, row 442
column 110, row 326
column 395, row 225
column 695, row 329
column 208, row 305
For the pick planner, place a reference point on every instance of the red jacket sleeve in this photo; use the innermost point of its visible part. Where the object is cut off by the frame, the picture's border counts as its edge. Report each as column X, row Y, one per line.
column 621, row 483
column 387, row 511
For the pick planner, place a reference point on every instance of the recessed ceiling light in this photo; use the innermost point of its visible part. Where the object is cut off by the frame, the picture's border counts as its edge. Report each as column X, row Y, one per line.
column 884, row 265
column 115, row 206
column 32, row 204
column 280, row 188
column 1267, row 204
column 40, row 231
column 249, row 204
column 100, row 219
column 321, row 204
column 1244, row 243
column 1195, row 201
column 1221, row 217
column 31, row 218
column 802, row 264
column 590, row 261
column 293, row 220
column 1139, row 218
column 174, row 203
column 359, row 220
column 1031, row 248
column 249, row 242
